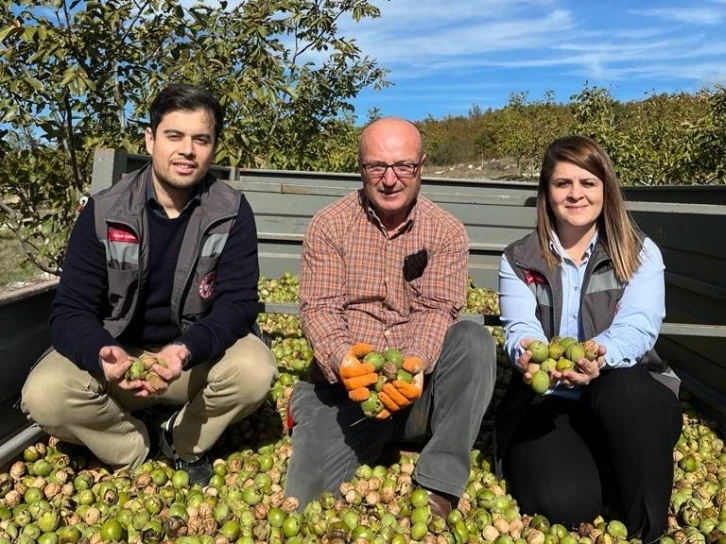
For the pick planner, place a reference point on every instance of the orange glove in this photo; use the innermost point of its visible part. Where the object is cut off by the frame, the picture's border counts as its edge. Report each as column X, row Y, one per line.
column 354, row 374
column 359, row 395
column 413, row 365
column 398, row 394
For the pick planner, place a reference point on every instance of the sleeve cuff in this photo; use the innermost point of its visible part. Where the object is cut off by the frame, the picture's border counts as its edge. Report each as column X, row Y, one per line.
column 198, row 344
column 613, row 357
column 90, row 358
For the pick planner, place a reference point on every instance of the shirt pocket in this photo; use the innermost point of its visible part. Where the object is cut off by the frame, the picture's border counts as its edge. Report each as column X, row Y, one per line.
column 411, row 293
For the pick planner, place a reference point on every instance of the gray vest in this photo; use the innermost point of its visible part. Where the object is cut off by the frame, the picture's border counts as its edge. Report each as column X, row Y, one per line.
column 122, row 228
column 599, row 298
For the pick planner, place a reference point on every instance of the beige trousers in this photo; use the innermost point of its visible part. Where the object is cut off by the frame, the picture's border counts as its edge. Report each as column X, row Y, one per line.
column 78, row 407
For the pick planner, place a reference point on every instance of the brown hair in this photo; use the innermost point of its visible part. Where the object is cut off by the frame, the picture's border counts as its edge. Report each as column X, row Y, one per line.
column 617, row 231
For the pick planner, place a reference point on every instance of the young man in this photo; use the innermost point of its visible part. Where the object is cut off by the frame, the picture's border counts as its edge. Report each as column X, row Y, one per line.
column 165, row 262
column 387, row 267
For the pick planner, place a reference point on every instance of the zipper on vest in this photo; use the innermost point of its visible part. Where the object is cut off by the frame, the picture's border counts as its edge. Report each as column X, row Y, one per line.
column 192, row 268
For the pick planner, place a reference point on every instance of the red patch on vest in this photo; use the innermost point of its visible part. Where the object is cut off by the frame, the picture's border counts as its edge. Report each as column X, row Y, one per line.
column 208, row 285
column 531, row 276
column 122, row 233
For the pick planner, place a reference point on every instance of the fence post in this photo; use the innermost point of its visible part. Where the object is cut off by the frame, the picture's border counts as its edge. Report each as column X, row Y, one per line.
column 108, row 167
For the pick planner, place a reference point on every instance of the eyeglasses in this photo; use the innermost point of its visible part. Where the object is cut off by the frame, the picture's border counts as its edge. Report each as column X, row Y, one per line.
column 402, row 170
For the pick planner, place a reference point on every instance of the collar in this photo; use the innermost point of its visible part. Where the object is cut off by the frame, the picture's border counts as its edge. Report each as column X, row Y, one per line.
column 371, row 213
column 557, row 249
column 153, row 204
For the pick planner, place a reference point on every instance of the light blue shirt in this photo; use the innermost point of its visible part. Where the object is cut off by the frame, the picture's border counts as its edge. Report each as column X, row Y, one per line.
column 634, row 329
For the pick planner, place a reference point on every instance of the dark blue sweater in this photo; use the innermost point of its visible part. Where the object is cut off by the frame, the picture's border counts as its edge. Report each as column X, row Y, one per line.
column 81, row 302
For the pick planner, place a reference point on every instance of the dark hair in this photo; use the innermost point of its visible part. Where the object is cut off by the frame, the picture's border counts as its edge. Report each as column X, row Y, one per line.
column 182, row 96
column 618, row 232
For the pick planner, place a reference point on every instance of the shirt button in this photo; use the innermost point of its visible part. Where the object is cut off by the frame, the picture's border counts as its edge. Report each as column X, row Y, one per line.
column 577, row 288
column 387, row 333
column 573, row 316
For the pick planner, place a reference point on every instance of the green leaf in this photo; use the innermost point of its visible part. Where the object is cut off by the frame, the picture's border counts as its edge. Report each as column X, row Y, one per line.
column 34, row 83
column 68, row 75
column 5, row 32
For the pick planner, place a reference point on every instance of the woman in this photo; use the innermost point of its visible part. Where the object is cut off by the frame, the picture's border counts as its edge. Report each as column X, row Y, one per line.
column 603, row 435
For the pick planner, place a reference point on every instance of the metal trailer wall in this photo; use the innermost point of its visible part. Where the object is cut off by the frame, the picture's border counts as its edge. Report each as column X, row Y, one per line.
column 685, row 221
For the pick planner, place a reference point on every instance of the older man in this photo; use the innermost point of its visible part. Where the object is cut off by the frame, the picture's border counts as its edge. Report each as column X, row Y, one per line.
column 387, row 267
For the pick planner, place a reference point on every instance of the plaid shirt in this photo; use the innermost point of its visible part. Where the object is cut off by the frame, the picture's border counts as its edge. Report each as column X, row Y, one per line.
column 352, row 287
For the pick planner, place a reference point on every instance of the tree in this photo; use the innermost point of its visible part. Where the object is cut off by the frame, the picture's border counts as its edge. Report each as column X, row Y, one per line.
column 702, row 148
column 80, row 75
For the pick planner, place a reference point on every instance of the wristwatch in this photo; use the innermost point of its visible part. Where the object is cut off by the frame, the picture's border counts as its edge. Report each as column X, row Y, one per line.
column 188, row 358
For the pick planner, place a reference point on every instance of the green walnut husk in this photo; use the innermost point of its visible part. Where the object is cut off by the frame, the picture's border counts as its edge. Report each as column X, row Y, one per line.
column 244, row 501
column 142, row 369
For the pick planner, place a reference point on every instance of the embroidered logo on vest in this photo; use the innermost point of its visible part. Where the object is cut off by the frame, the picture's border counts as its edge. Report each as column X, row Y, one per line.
column 208, row 285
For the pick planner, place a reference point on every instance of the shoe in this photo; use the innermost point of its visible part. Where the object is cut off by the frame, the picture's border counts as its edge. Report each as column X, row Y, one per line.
column 440, row 505
column 200, row 471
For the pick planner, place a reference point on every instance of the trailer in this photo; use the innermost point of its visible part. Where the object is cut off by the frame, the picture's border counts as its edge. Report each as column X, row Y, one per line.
column 685, row 221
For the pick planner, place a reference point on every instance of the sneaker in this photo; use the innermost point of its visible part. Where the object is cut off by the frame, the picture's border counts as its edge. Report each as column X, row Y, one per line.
column 200, row 471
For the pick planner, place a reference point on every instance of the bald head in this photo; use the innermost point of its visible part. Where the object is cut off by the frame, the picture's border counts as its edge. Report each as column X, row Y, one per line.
column 391, row 131
column 390, row 157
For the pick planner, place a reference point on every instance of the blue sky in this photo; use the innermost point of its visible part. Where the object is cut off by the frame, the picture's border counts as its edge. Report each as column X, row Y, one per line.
column 445, row 55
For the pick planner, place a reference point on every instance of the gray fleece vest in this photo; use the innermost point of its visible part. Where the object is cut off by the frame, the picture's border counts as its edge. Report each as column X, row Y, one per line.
column 599, row 298
column 122, row 228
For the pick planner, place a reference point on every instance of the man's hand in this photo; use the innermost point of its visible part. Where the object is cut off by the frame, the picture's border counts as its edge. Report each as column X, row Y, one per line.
column 399, row 394
column 357, row 376
column 413, row 365
column 588, row 370
column 174, row 356
column 114, row 363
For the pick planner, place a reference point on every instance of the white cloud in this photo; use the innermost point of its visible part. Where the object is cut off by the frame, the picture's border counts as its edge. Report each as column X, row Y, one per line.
column 453, row 40
column 469, row 30
column 692, row 15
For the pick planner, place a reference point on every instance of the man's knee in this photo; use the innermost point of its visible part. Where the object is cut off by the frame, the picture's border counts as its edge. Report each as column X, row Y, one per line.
column 476, row 348
column 246, row 372
column 49, row 391
column 472, row 336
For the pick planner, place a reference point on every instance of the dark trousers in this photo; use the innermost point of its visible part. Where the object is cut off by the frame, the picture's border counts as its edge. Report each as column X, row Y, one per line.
column 329, row 440
column 568, row 459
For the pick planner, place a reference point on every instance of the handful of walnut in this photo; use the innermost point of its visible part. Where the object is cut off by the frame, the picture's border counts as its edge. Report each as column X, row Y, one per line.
column 142, row 368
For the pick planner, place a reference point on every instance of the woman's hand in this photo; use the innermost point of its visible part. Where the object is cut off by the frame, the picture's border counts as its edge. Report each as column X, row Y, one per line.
column 586, row 370
column 525, row 359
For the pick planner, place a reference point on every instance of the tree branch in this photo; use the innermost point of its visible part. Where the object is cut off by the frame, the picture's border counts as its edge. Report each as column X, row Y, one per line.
column 310, row 44
column 27, row 247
